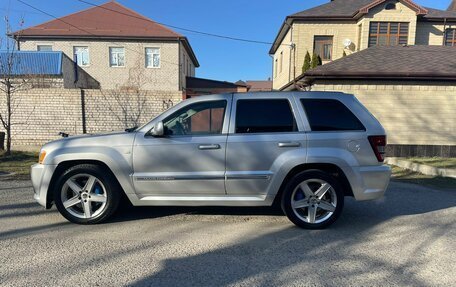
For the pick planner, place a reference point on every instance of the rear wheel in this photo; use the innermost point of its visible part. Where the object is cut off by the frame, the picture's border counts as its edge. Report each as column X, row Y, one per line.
column 85, row 194
column 313, row 199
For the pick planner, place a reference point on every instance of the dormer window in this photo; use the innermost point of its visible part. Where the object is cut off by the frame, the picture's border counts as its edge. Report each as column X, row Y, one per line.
column 390, row 6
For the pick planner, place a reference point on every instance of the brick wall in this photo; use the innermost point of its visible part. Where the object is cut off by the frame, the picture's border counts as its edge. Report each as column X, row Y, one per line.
column 42, row 113
column 413, row 113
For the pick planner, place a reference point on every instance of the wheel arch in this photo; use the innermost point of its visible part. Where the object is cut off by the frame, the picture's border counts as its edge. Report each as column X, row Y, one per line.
column 330, row 168
column 65, row 165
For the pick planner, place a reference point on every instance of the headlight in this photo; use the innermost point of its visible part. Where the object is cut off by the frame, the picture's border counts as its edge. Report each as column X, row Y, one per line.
column 42, row 156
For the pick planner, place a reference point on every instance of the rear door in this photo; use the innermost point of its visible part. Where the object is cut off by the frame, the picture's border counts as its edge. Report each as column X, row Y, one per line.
column 262, row 128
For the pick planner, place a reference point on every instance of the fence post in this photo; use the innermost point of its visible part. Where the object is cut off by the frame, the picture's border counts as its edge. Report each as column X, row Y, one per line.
column 2, row 141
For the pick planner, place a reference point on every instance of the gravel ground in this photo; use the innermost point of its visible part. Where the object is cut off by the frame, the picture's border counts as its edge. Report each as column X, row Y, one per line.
column 406, row 239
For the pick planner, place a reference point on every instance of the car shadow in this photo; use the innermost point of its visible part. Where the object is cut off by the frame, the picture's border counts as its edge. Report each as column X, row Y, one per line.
column 400, row 199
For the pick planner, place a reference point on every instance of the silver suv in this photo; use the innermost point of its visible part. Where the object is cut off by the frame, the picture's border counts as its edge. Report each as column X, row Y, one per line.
column 304, row 151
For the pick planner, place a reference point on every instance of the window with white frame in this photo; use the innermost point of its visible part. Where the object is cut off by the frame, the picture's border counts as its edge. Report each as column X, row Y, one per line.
column 117, row 56
column 44, row 48
column 81, row 55
column 152, row 57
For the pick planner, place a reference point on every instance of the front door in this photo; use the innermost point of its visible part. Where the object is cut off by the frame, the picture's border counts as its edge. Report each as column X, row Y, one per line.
column 189, row 160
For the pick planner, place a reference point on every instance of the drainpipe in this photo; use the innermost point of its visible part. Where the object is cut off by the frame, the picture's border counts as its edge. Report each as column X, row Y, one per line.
column 444, row 31
column 289, row 64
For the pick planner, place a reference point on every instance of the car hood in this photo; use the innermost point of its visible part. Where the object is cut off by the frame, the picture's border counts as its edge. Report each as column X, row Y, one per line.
column 112, row 139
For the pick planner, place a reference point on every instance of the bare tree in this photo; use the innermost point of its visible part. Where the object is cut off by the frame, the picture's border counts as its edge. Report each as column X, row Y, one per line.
column 129, row 97
column 10, row 84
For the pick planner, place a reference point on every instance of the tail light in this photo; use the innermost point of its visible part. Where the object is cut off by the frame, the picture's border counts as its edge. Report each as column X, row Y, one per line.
column 378, row 144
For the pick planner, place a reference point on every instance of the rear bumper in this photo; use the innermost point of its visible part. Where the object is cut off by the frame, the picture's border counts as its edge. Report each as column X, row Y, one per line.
column 369, row 182
column 41, row 178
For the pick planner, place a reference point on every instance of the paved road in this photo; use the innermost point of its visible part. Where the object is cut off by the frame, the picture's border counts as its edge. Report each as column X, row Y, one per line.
column 408, row 238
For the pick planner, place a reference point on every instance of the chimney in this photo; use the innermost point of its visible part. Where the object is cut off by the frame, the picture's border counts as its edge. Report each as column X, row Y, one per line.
column 452, row 6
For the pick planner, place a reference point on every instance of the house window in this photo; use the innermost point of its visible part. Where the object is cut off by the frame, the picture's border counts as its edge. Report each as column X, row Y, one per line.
column 152, row 57
column 450, row 37
column 117, row 57
column 388, row 33
column 323, row 47
column 81, row 55
column 390, row 6
column 44, row 48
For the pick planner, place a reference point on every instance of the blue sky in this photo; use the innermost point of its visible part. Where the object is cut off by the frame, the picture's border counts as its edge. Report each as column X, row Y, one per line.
column 220, row 59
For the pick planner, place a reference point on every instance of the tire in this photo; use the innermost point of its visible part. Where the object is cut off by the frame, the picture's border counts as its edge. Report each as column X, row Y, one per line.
column 85, row 194
column 313, row 199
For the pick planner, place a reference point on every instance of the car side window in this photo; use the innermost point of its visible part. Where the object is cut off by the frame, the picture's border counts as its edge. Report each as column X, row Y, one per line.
column 330, row 115
column 264, row 116
column 202, row 118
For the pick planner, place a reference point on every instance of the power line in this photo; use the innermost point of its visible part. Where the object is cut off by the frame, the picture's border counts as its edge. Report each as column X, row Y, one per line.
column 181, row 28
column 85, row 31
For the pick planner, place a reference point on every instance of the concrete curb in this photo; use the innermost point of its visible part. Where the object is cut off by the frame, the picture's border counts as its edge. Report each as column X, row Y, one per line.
column 421, row 168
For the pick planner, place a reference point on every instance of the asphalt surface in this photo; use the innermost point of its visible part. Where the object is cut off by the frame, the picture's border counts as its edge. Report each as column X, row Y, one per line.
column 406, row 239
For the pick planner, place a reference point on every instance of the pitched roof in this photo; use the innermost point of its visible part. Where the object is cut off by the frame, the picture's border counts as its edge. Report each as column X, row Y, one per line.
column 452, row 6
column 27, row 63
column 110, row 19
column 193, row 83
column 351, row 10
column 391, row 62
column 259, row 86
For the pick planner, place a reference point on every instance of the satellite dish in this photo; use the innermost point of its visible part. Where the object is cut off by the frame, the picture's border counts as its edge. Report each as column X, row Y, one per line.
column 347, row 43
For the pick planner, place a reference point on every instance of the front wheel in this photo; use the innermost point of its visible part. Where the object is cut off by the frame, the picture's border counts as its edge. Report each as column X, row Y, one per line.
column 85, row 194
column 313, row 199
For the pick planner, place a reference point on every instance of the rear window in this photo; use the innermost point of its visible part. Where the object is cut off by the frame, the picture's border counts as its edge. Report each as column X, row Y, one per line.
column 264, row 116
column 330, row 115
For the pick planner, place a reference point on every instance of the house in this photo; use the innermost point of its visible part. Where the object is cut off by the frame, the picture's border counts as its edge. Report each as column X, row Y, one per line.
column 257, row 86
column 118, row 47
column 200, row 86
column 117, row 69
column 348, row 26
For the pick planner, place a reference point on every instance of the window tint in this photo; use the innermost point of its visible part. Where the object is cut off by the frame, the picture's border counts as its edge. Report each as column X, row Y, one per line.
column 197, row 119
column 330, row 115
column 264, row 116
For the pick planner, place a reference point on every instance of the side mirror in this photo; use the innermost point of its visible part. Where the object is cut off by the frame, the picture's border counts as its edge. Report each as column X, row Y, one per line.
column 158, row 130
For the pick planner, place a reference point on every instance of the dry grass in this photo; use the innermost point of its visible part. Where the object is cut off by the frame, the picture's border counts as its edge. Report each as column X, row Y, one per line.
column 18, row 163
column 408, row 176
column 438, row 162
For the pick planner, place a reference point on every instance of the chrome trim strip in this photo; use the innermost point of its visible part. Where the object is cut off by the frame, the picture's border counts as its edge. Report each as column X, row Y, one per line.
column 243, row 175
column 267, row 177
column 170, row 178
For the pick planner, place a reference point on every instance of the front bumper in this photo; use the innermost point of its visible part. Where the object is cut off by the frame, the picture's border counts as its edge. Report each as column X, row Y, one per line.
column 369, row 182
column 41, row 178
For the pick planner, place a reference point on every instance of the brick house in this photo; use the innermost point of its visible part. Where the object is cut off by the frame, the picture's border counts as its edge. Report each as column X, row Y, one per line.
column 354, row 25
column 400, row 64
column 118, row 47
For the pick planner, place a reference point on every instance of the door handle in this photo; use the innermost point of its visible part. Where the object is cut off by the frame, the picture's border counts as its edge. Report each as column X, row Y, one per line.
column 289, row 144
column 209, row 146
